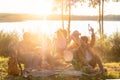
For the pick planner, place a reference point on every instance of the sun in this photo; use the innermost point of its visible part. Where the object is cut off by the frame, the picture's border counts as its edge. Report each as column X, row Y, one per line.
column 42, row 7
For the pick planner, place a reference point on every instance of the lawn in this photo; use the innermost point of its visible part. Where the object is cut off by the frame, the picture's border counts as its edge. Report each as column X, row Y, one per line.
column 113, row 69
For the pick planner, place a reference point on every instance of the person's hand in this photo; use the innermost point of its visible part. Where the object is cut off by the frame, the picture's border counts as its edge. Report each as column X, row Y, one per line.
column 91, row 29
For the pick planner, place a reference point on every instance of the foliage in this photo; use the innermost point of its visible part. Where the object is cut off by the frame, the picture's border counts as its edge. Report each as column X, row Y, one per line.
column 92, row 3
column 115, row 50
column 103, row 45
column 109, row 46
column 113, row 70
column 5, row 39
column 3, row 66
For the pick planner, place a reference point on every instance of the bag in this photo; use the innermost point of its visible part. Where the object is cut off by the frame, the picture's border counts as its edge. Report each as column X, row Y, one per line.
column 13, row 68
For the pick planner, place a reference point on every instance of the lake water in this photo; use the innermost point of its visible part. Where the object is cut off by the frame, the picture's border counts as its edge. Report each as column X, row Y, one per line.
column 49, row 27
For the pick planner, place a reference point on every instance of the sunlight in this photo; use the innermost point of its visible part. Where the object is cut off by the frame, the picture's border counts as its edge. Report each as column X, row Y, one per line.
column 45, row 28
column 109, row 8
column 84, row 10
column 42, row 7
column 68, row 55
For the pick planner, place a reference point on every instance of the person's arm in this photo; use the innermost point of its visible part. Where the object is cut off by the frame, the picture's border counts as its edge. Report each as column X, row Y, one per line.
column 92, row 42
column 99, row 62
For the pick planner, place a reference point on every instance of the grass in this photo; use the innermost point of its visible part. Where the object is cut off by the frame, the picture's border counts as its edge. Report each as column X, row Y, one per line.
column 112, row 67
column 113, row 70
column 3, row 66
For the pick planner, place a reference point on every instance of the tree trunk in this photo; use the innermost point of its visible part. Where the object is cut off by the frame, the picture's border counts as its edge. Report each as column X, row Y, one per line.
column 69, row 18
column 62, row 14
column 99, row 17
column 102, row 17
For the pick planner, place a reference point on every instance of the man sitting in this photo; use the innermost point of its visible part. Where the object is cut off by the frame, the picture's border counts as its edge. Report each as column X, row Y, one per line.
column 84, row 57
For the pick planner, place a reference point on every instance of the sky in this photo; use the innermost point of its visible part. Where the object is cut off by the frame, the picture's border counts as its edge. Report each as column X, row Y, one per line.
column 25, row 6
column 44, row 7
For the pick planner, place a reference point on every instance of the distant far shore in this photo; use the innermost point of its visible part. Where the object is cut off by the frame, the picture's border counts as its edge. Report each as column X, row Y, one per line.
column 14, row 17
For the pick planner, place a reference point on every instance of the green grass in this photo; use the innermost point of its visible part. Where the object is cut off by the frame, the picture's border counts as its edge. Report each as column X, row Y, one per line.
column 113, row 70
column 113, row 73
column 3, row 66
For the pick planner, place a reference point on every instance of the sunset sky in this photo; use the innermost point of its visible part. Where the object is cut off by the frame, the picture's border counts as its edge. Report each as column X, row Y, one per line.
column 45, row 7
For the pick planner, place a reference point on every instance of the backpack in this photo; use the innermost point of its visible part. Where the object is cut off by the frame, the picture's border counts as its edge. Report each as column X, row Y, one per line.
column 13, row 68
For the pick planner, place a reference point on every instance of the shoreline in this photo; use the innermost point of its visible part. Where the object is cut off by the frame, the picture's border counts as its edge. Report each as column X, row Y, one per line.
column 14, row 17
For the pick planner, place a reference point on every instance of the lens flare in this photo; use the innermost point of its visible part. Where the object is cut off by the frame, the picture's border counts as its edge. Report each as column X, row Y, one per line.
column 68, row 55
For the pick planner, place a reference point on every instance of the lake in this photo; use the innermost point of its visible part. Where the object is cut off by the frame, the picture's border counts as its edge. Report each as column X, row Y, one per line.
column 50, row 27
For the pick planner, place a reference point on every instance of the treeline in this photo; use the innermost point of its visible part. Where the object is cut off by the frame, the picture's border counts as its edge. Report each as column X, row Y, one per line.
column 7, row 17
column 83, row 17
column 12, row 17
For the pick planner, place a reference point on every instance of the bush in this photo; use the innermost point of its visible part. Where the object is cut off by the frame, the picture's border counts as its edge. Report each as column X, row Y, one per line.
column 115, row 50
column 103, row 45
column 110, row 47
column 5, row 39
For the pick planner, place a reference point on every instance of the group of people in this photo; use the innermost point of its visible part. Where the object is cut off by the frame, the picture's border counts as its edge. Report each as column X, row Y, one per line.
column 50, row 54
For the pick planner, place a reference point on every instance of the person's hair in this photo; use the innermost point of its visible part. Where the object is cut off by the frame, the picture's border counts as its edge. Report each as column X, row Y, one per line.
column 75, row 33
column 84, row 38
column 62, row 32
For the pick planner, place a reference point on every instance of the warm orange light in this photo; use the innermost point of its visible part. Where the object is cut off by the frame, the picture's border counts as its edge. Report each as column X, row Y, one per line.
column 68, row 55
column 44, row 7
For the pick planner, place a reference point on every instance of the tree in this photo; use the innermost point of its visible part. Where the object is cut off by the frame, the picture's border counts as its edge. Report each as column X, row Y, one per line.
column 65, row 6
column 58, row 4
column 68, row 3
column 100, row 3
column 102, row 17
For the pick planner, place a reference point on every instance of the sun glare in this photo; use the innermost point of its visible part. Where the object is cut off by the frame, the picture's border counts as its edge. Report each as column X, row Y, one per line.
column 44, row 27
column 44, row 7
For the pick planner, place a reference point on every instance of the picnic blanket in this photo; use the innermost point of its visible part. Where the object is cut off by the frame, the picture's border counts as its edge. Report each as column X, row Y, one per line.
column 38, row 73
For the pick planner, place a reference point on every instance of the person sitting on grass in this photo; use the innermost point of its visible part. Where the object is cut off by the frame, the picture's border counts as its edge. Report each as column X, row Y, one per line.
column 84, row 56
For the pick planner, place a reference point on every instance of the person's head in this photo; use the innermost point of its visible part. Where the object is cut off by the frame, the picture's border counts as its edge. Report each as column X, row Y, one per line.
column 84, row 38
column 61, row 33
column 64, row 33
column 76, row 34
column 26, row 36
